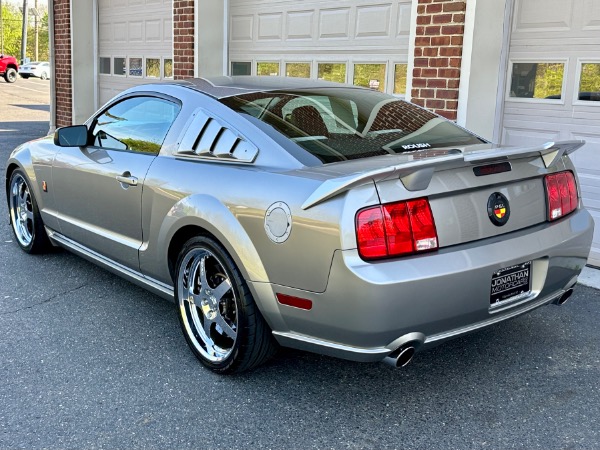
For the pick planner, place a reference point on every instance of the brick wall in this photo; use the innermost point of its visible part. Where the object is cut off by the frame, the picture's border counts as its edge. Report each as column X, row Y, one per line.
column 62, row 61
column 183, row 39
column 438, row 51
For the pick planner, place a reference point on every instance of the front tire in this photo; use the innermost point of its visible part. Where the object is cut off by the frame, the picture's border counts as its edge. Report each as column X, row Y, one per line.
column 25, row 218
column 219, row 318
column 10, row 76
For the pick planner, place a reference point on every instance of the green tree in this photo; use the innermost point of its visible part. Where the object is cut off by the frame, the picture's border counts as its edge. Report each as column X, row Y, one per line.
column 365, row 73
column 43, row 39
column 590, row 77
column 11, row 32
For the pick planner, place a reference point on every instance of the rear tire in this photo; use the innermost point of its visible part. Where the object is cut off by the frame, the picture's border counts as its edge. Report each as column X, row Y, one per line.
column 219, row 318
column 44, row 76
column 11, row 75
column 25, row 218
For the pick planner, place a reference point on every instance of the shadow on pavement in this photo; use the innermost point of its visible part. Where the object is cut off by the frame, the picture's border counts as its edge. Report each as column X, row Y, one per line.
column 34, row 107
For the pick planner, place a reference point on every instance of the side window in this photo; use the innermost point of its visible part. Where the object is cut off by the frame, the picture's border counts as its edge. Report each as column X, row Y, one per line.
column 138, row 124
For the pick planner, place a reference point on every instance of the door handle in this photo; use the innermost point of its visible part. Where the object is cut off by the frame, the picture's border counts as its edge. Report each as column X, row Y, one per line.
column 128, row 179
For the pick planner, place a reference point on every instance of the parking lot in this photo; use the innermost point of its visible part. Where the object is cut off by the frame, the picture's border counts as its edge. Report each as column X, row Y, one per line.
column 88, row 360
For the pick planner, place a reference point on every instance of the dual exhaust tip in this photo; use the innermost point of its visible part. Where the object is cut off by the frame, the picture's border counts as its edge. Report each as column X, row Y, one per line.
column 405, row 353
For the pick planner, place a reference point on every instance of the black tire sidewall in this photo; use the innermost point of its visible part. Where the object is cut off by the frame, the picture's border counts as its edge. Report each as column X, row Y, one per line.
column 39, row 239
column 229, row 364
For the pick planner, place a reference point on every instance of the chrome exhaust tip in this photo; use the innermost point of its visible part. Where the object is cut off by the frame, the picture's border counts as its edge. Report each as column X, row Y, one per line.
column 401, row 357
column 563, row 298
column 405, row 356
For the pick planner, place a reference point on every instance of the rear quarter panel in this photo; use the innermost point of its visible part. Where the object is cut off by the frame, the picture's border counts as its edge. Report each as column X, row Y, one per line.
column 230, row 202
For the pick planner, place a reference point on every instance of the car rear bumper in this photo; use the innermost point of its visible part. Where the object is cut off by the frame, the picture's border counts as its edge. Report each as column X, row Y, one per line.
column 369, row 310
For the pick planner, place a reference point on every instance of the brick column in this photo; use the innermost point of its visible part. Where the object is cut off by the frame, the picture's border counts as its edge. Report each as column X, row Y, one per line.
column 62, row 63
column 183, row 39
column 437, row 58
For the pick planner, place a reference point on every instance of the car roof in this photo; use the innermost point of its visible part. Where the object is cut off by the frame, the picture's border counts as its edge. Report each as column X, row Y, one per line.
column 222, row 87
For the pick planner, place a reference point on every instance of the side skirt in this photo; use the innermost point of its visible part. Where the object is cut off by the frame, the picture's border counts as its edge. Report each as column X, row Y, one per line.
column 156, row 287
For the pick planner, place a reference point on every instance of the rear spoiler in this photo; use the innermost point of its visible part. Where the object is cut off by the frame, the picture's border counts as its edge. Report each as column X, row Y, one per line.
column 417, row 174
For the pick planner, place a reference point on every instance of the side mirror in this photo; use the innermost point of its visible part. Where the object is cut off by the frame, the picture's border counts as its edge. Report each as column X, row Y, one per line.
column 75, row 136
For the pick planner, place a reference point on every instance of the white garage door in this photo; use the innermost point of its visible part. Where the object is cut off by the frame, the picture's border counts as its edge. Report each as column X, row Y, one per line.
column 135, row 44
column 553, row 86
column 360, row 42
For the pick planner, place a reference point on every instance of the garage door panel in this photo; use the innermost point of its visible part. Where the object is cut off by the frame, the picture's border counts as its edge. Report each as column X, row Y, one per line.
column 300, row 25
column 119, row 33
column 334, row 23
column 241, row 28
column 270, row 27
column 556, row 15
column 586, row 158
column 153, row 30
column 591, row 15
column 373, row 21
column 554, row 31
column 403, row 22
column 343, row 33
column 528, row 136
column 138, row 32
column 533, row 114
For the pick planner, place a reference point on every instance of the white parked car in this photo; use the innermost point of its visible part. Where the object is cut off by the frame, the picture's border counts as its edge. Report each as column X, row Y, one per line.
column 39, row 69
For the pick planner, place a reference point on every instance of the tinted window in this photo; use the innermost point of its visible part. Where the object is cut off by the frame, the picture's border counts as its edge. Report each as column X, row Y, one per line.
column 119, row 66
column 241, row 68
column 336, row 124
column 138, row 124
column 104, row 66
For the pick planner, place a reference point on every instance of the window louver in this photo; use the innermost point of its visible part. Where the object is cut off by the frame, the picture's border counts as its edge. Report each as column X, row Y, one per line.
column 208, row 138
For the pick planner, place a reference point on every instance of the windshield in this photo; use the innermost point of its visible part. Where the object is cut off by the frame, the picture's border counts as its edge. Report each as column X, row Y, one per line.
column 337, row 124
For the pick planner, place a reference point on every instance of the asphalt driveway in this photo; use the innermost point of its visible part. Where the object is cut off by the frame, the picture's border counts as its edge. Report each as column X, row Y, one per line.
column 88, row 360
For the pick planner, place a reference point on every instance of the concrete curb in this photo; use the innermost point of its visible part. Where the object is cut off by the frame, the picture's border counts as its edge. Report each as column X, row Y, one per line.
column 590, row 277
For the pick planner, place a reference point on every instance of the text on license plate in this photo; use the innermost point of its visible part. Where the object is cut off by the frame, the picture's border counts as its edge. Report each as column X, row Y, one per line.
column 510, row 282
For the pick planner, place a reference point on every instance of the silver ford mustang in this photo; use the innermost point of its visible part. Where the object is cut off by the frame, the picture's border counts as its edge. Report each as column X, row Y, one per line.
column 313, row 215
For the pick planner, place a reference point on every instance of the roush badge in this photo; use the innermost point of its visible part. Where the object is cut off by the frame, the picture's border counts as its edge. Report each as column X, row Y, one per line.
column 498, row 209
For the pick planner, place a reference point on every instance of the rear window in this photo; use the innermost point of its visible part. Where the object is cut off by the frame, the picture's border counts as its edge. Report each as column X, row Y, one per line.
column 338, row 124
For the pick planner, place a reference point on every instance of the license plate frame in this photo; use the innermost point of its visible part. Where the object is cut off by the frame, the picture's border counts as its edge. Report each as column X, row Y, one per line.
column 510, row 283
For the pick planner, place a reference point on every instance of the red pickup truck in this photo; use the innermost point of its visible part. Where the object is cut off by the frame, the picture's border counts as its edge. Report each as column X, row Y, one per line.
column 9, row 68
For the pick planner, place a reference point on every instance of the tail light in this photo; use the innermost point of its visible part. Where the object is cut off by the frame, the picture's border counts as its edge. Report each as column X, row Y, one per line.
column 561, row 191
column 396, row 229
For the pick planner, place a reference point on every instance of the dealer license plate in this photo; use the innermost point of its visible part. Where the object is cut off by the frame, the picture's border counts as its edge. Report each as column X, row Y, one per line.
column 510, row 283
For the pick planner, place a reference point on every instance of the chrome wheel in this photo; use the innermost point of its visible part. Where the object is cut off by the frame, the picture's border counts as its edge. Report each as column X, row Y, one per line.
column 208, row 304
column 21, row 210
